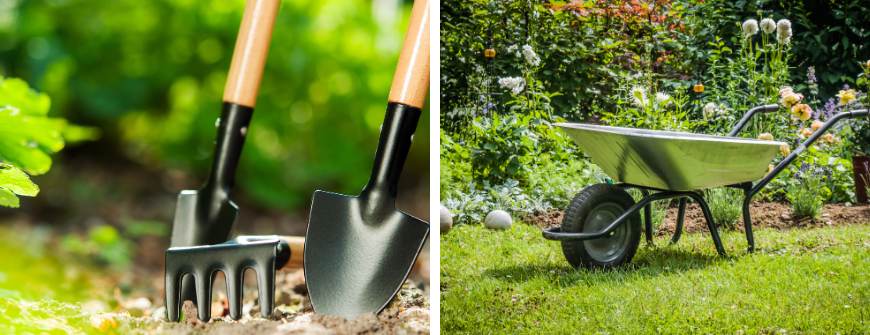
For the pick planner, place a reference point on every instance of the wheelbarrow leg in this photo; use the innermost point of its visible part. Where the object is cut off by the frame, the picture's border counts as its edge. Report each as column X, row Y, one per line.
column 681, row 216
column 709, row 217
column 747, row 224
column 647, row 220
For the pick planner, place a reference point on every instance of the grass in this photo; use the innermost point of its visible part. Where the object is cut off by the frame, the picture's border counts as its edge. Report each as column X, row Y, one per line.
column 798, row 281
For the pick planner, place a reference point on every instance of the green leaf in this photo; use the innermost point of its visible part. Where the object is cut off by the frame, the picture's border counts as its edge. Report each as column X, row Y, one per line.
column 8, row 199
column 15, row 92
column 16, row 181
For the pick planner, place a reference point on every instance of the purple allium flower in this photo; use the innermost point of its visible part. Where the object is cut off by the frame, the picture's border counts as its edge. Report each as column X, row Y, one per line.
column 846, row 86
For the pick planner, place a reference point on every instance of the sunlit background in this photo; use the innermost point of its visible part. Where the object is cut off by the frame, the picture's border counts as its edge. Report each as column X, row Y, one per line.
column 150, row 76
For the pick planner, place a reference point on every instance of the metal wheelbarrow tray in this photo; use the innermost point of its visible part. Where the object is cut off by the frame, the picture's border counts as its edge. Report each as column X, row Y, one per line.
column 600, row 228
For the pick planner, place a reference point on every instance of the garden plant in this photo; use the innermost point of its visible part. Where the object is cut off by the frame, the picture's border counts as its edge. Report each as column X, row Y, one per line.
column 686, row 66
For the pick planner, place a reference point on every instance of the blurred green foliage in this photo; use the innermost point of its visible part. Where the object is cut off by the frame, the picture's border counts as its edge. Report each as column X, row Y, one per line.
column 151, row 74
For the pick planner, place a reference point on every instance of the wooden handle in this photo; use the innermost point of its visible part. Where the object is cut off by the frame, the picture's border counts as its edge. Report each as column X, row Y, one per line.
column 249, row 56
column 297, row 246
column 411, row 82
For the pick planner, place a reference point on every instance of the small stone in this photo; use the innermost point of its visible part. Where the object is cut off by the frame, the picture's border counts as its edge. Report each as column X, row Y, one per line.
column 498, row 219
column 446, row 219
column 786, row 217
column 805, row 220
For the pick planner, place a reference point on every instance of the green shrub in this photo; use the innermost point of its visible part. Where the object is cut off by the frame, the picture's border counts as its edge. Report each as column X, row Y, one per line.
column 558, row 182
column 503, row 149
column 807, row 196
column 725, row 205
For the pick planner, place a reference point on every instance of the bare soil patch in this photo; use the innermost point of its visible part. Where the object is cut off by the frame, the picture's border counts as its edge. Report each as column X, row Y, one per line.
column 764, row 214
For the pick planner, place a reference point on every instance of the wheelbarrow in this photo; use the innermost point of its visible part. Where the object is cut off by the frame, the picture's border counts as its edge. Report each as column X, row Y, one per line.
column 601, row 228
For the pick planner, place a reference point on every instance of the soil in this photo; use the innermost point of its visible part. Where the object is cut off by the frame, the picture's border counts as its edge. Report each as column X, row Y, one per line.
column 775, row 215
column 408, row 313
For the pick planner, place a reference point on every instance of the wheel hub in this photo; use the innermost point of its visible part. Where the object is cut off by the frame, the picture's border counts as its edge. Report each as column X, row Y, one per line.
column 607, row 248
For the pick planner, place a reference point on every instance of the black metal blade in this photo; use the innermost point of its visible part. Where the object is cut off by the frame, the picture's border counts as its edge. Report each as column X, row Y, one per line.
column 358, row 253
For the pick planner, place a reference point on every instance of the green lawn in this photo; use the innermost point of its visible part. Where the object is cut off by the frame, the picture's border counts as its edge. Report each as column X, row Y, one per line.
column 799, row 281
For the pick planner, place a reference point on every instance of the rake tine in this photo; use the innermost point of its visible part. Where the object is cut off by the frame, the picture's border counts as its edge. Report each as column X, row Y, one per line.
column 234, row 291
column 266, row 286
column 173, row 293
column 204, row 281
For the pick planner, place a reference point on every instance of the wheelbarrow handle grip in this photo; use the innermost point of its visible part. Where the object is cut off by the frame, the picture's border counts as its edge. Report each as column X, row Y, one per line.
column 769, row 108
column 760, row 109
column 249, row 56
column 411, row 81
column 297, row 246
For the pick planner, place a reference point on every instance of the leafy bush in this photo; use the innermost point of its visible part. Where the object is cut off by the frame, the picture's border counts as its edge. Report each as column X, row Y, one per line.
column 558, row 182
column 504, row 147
column 583, row 46
column 807, row 197
column 726, row 205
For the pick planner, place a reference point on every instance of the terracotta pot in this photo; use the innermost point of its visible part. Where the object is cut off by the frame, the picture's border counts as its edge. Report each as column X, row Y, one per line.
column 861, row 175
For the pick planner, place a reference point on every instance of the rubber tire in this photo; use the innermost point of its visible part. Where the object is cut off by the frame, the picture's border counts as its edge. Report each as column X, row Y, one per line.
column 575, row 216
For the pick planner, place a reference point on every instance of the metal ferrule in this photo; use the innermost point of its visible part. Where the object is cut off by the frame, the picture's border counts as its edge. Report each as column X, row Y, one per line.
column 394, row 143
column 232, row 130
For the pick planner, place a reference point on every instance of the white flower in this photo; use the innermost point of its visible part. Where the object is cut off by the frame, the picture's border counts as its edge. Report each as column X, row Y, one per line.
column 519, row 54
column 512, row 48
column 515, row 84
column 462, row 59
column 708, row 109
column 750, row 27
column 783, row 39
column 530, row 55
column 783, row 28
column 638, row 96
column 663, row 99
column 768, row 26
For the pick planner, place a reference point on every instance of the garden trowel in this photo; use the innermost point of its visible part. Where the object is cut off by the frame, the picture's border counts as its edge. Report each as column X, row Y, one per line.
column 207, row 216
column 359, row 250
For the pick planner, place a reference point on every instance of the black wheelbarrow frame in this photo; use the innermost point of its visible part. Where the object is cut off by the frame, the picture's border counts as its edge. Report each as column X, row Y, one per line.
column 749, row 191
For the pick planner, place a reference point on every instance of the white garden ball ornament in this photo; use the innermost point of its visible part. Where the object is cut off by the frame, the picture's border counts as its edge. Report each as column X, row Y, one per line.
column 498, row 219
column 446, row 219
